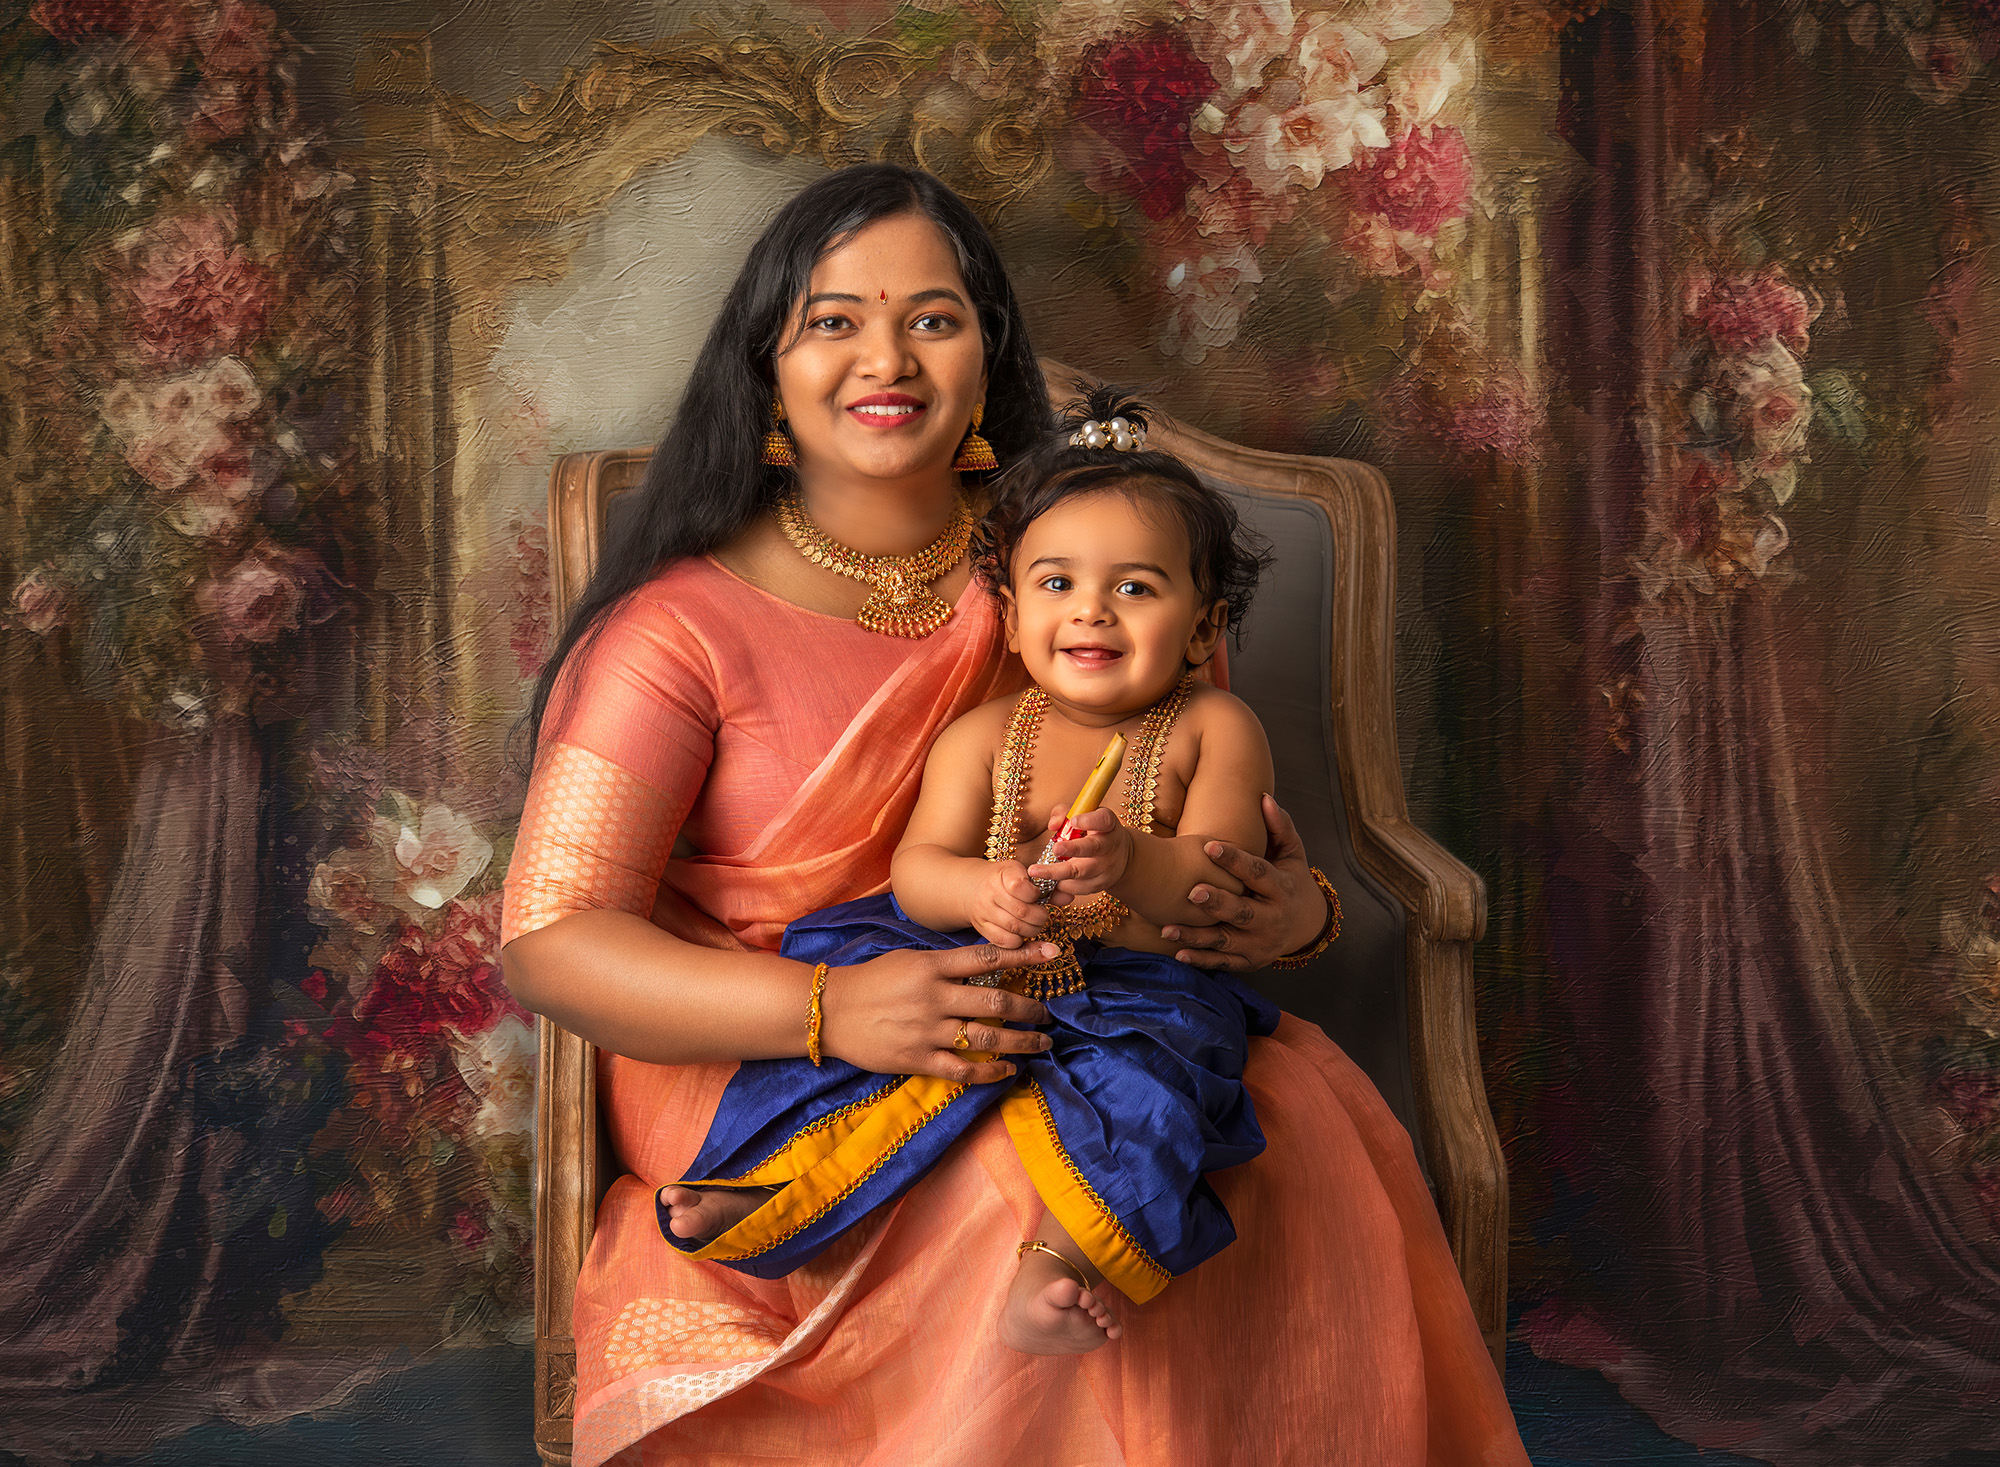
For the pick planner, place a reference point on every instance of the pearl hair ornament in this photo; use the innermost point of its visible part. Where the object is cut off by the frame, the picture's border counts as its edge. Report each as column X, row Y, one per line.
column 1120, row 434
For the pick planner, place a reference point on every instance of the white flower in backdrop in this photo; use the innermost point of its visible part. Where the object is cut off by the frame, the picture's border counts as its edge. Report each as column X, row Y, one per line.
column 1421, row 86
column 437, row 853
column 499, row 1068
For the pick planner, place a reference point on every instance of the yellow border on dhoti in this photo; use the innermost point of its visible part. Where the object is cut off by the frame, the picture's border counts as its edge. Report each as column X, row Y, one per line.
column 823, row 1163
column 1073, row 1201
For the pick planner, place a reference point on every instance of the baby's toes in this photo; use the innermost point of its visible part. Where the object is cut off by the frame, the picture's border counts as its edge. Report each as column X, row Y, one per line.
column 1064, row 1294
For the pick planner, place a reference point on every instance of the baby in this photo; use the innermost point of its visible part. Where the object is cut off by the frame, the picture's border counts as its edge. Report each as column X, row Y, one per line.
column 1119, row 572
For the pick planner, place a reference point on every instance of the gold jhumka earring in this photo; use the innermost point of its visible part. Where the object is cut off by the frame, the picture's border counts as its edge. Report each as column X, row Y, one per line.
column 975, row 452
column 778, row 450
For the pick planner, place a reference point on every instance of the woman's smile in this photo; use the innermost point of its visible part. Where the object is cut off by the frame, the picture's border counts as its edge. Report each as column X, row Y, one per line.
column 886, row 411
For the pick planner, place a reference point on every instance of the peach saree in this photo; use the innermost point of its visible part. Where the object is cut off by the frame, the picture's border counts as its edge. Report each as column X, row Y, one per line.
column 787, row 747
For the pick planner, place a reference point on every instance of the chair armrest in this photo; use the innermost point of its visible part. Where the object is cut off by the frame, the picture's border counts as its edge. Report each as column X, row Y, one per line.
column 1446, row 898
column 1446, row 903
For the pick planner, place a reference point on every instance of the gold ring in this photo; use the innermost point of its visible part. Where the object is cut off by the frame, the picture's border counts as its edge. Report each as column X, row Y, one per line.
column 964, row 1040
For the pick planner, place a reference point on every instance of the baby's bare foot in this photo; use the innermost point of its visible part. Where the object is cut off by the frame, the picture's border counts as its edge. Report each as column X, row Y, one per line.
column 709, row 1214
column 1048, row 1313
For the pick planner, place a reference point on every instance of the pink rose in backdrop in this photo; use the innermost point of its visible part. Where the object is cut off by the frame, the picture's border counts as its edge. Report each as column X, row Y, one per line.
column 41, row 602
column 468, row 1231
column 194, row 293
column 1137, row 93
column 1417, row 183
column 1239, row 39
column 258, row 599
column 1371, row 240
column 1239, row 210
column 1337, row 58
column 531, row 629
column 237, row 36
column 1500, row 418
column 236, row 42
column 343, row 887
column 1742, row 312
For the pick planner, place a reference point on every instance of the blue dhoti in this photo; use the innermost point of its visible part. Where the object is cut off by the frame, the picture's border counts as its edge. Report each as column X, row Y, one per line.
column 1140, row 1096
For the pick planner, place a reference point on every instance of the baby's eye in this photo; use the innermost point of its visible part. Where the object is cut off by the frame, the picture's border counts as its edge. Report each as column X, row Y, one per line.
column 1134, row 588
column 1056, row 583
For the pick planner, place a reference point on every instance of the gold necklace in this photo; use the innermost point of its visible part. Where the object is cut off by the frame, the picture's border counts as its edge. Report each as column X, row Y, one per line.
column 1098, row 915
column 900, row 600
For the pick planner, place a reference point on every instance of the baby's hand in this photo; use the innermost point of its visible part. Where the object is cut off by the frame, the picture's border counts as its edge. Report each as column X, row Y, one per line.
column 1093, row 860
column 1007, row 910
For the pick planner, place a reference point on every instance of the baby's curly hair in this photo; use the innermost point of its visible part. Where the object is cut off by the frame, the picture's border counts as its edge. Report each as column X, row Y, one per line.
column 1226, row 559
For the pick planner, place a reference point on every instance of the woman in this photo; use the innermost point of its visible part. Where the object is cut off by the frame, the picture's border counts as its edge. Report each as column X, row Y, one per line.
column 715, row 685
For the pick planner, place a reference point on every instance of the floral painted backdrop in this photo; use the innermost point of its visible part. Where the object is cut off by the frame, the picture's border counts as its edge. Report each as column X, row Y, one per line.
column 1674, row 325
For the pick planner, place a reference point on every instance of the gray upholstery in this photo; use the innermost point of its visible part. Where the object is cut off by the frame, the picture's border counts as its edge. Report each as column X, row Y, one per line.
column 1356, row 990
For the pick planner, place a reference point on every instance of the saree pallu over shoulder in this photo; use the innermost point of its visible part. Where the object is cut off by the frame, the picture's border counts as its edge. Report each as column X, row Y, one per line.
column 831, row 842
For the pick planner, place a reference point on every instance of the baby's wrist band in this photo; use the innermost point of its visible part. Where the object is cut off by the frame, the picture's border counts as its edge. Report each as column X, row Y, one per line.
column 1327, row 933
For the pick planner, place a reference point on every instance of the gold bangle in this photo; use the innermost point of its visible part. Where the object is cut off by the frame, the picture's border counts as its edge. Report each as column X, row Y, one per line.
column 1327, row 933
column 813, row 1014
column 1036, row 1245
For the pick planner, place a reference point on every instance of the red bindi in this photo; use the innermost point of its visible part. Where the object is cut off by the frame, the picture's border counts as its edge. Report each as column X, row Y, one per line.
column 885, row 297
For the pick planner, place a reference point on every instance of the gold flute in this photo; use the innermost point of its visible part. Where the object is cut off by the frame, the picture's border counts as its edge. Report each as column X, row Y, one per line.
column 1087, row 799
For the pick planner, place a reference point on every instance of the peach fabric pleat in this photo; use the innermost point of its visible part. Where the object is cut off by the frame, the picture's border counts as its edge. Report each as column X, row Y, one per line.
column 1334, row 1330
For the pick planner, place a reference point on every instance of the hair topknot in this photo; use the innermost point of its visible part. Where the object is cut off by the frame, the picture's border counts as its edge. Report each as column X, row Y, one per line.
column 1226, row 559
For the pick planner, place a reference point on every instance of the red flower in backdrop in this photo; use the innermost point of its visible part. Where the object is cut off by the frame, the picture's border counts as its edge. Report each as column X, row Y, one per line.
column 77, row 21
column 1137, row 92
column 1973, row 1100
column 85, row 20
column 236, row 42
column 194, row 294
column 426, row 986
column 1422, row 180
column 1749, row 310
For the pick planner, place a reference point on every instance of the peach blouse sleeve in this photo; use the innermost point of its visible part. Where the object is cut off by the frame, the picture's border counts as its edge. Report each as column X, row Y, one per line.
column 625, row 747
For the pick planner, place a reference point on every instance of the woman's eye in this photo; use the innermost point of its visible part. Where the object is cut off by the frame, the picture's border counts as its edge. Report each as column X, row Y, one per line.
column 829, row 324
column 935, row 321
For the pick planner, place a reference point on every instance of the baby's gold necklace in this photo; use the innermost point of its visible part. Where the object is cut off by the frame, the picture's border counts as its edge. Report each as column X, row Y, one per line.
column 900, row 600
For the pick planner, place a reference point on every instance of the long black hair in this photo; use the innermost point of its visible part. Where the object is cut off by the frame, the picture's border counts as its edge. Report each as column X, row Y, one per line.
column 706, row 482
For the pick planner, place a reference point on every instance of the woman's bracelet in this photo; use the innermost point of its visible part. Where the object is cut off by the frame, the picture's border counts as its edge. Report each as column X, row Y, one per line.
column 813, row 1015
column 1327, row 933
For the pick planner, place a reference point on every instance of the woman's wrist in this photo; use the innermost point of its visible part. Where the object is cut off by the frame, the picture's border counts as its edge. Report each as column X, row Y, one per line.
column 1329, row 930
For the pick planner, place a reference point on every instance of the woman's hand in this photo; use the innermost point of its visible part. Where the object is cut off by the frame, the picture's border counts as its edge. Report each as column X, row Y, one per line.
column 1089, row 863
column 898, row 1014
column 1280, row 911
column 1007, row 907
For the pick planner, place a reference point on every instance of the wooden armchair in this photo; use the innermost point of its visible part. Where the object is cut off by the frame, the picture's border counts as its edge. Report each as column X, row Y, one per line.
column 1395, row 992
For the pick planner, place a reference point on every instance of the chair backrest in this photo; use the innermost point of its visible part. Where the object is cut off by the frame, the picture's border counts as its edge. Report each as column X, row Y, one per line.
column 1315, row 663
